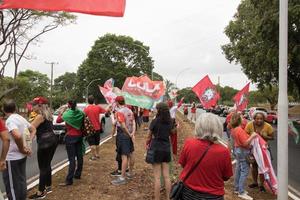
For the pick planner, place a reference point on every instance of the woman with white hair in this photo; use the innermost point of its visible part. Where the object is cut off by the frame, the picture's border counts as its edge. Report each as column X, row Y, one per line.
column 205, row 162
column 265, row 130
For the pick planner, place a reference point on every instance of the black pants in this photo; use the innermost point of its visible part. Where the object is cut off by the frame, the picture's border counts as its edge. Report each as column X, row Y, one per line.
column 44, row 157
column 189, row 194
column 14, row 178
column 74, row 150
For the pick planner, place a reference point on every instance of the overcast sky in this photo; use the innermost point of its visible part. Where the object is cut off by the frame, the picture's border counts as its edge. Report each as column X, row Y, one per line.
column 184, row 39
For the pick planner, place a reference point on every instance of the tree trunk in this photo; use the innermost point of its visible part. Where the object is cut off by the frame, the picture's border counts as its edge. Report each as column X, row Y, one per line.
column 7, row 92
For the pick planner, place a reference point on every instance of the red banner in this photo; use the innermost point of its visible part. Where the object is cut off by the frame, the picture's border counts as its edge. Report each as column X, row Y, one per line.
column 206, row 92
column 241, row 98
column 144, row 86
column 114, row 8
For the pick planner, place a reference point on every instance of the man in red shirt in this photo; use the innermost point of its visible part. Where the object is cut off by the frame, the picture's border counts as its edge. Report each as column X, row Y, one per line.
column 5, row 144
column 93, row 112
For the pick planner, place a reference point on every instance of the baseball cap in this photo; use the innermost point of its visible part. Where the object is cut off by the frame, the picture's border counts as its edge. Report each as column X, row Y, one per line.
column 40, row 100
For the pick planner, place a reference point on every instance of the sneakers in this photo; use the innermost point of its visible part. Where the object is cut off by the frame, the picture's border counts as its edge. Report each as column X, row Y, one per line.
column 119, row 181
column 48, row 190
column 93, row 158
column 237, row 192
column 116, row 173
column 245, row 196
column 129, row 175
column 38, row 196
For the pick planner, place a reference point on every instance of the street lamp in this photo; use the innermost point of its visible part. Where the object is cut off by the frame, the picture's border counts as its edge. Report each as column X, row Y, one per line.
column 185, row 69
column 87, row 88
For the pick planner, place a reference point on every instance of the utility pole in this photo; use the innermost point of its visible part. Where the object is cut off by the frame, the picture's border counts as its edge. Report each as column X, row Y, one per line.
column 51, row 81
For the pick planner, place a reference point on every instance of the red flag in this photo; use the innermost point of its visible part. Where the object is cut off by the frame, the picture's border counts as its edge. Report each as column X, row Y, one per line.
column 206, row 92
column 114, row 8
column 108, row 94
column 241, row 98
column 144, row 86
column 109, row 84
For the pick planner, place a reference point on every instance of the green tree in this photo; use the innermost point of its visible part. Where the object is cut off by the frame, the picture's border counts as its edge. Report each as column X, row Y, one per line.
column 188, row 94
column 254, row 35
column 115, row 57
column 64, row 88
column 29, row 84
column 169, row 86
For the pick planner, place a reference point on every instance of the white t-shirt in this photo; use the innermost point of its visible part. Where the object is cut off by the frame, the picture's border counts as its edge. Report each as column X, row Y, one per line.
column 15, row 121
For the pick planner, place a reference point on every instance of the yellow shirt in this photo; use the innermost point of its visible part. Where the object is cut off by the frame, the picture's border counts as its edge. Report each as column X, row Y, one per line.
column 266, row 131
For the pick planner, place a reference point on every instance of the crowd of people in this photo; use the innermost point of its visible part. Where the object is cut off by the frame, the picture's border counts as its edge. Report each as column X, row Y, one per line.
column 206, row 163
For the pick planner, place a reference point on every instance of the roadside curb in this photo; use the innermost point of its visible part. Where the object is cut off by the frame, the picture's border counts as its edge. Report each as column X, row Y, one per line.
column 34, row 181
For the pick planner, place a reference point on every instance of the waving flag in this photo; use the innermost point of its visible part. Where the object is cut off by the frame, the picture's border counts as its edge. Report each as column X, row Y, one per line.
column 206, row 92
column 142, row 91
column 114, row 8
column 263, row 160
column 241, row 98
column 109, row 84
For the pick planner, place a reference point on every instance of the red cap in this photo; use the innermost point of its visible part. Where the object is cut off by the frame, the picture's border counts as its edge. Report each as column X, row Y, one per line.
column 120, row 99
column 40, row 100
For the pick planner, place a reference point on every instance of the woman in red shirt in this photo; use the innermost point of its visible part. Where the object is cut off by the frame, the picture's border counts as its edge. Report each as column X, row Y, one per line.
column 193, row 112
column 241, row 149
column 74, row 121
column 207, row 180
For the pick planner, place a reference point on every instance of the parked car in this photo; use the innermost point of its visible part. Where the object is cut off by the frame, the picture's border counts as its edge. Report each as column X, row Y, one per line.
column 60, row 128
column 217, row 110
column 272, row 117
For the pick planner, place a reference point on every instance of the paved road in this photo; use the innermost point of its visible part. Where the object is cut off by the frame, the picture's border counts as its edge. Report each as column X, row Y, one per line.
column 294, row 157
column 60, row 155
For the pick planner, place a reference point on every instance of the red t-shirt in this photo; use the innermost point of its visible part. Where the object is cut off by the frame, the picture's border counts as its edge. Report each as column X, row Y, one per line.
column 240, row 137
column 146, row 113
column 71, row 131
column 193, row 110
column 93, row 112
column 214, row 169
column 2, row 126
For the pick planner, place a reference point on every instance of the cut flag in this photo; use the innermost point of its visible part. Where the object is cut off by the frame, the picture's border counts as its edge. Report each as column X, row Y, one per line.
column 241, row 99
column 206, row 92
column 114, row 8
column 142, row 91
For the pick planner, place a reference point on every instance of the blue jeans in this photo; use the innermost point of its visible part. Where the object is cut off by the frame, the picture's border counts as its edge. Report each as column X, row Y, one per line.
column 241, row 170
column 74, row 150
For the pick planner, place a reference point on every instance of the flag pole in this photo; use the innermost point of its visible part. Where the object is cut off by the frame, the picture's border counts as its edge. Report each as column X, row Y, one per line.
column 282, row 133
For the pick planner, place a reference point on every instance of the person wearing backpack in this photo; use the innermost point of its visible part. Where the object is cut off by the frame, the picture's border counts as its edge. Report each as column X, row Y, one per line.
column 93, row 112
column 74, row 119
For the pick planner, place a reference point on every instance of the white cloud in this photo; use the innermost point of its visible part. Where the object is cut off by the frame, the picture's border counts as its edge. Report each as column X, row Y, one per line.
column 180, row 34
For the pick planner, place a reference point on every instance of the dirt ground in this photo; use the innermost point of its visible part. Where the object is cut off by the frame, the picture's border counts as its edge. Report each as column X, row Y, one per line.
column 95, row 183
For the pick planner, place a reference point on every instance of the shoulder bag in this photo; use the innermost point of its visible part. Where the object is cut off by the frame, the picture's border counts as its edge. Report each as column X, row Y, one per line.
column 150, row 152
column 177, row 187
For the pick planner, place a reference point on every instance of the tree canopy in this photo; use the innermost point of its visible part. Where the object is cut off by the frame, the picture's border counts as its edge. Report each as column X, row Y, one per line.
column 254, row 41
column 115, row 57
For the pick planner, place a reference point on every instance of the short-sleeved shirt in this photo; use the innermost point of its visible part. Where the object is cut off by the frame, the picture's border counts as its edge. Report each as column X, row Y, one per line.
column 240, row 137
column 93, row 112
column 161, row 133
column 146, row 113
column 2, row 126
column 13, row 122
column 210, row 174
column 266, row 131
column 125, row 115
column 193, row 110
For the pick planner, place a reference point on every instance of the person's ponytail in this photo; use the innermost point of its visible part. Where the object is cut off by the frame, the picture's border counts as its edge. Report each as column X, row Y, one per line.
column 72, row 104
